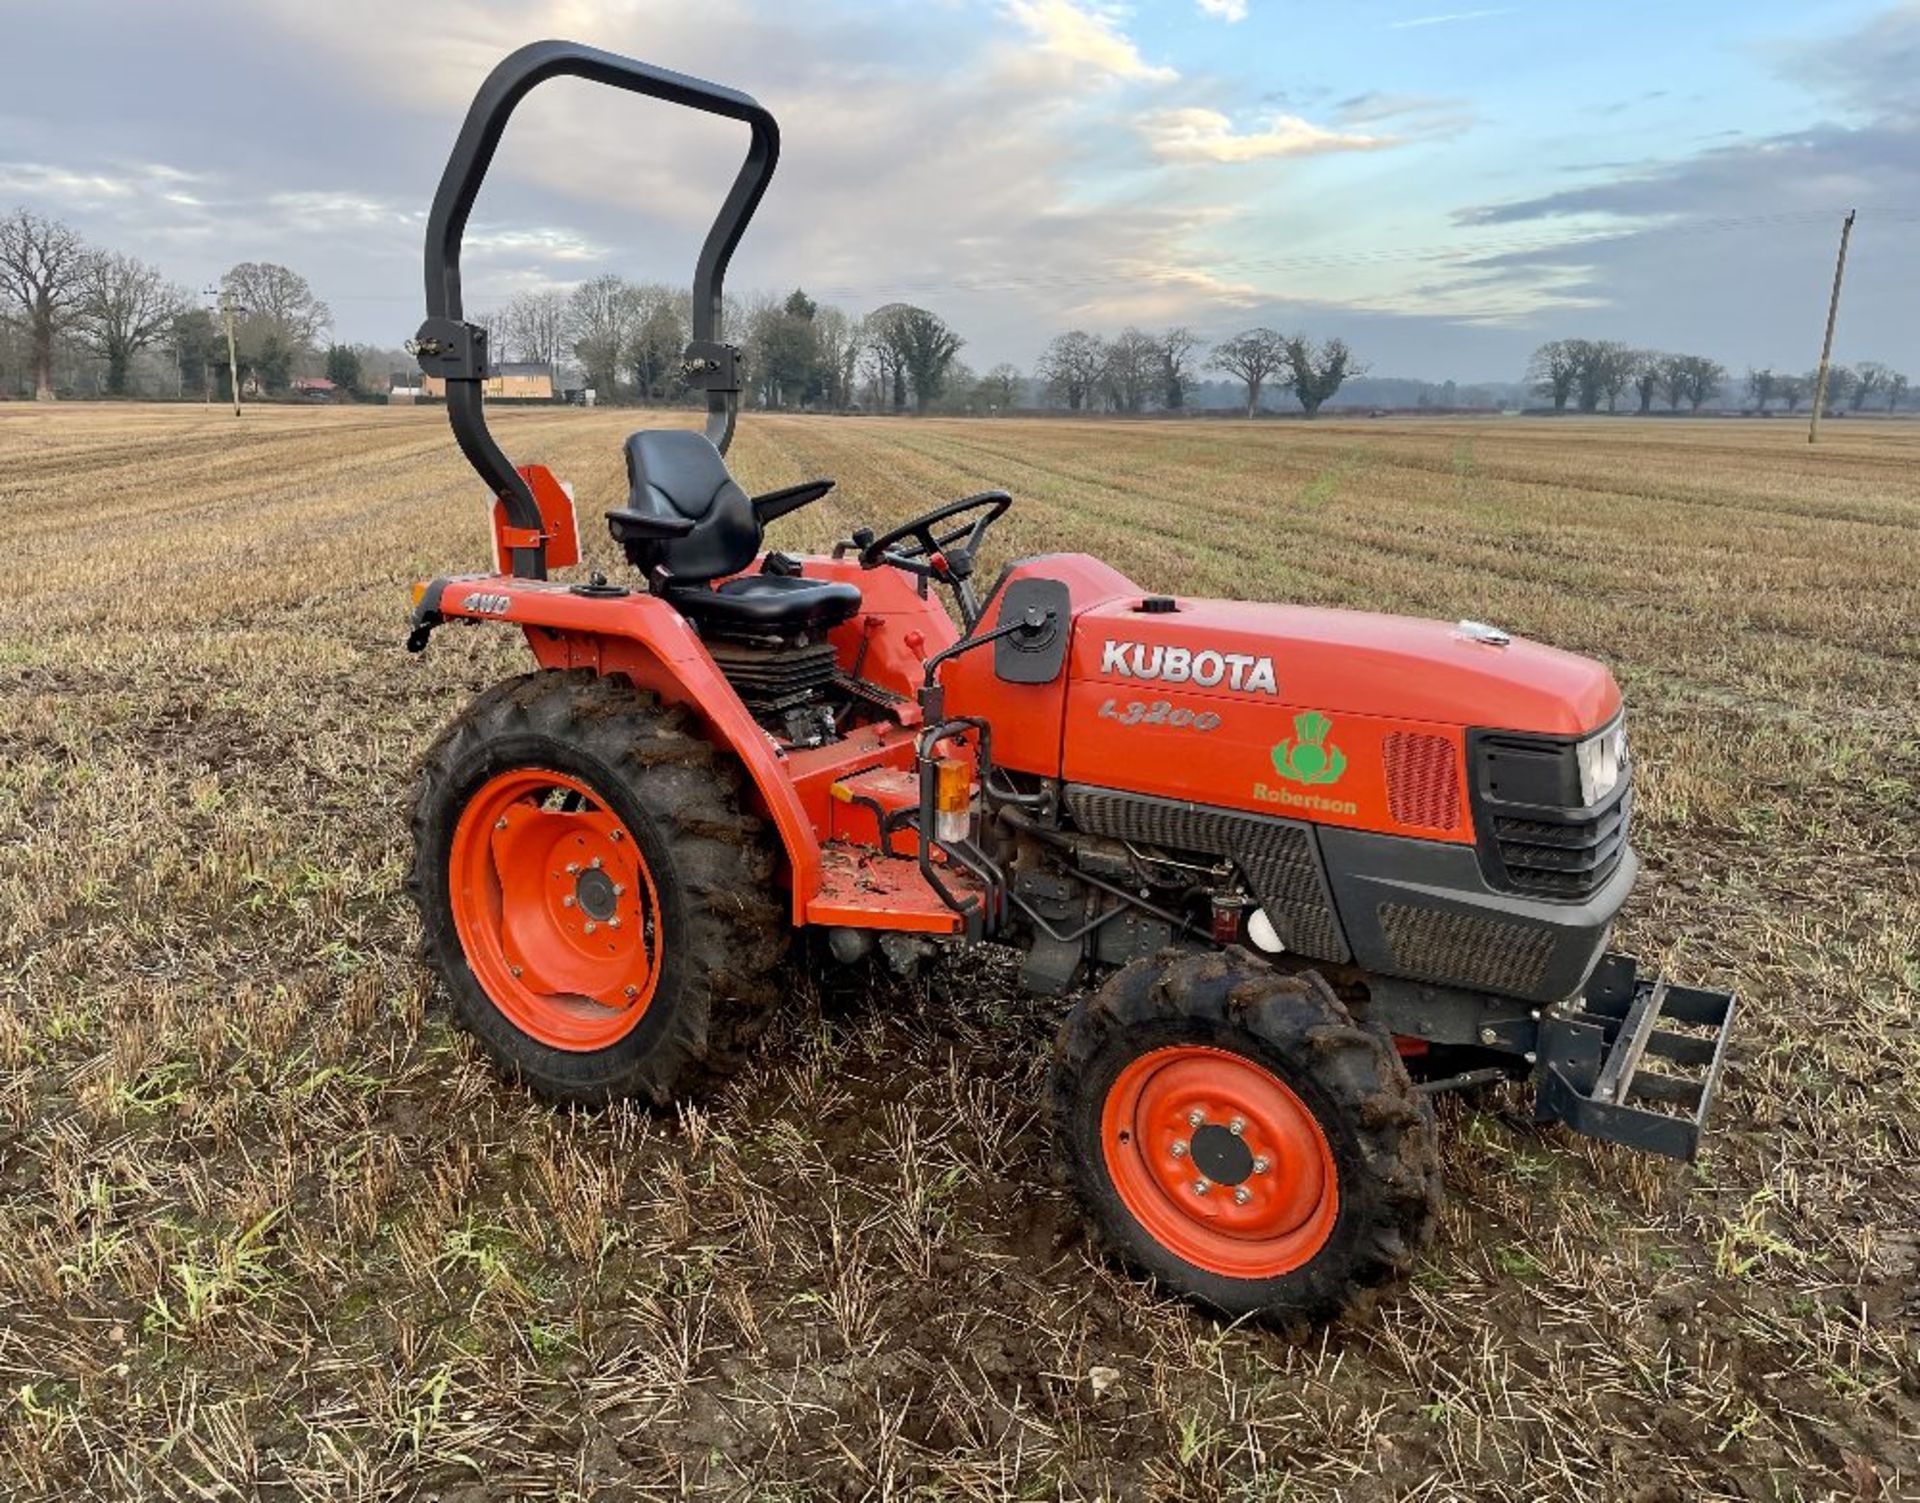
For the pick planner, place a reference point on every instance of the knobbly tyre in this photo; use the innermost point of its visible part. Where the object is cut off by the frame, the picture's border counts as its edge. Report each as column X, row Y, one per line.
column 1314, row 865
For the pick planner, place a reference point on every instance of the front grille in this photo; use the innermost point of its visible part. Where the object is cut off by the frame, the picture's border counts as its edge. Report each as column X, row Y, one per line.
column 1528, row 838
column 1463, row 949
column 1277, row 856
column 1423, row 780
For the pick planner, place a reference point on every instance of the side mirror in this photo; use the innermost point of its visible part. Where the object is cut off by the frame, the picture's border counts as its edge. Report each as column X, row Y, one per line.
column 1036, row 653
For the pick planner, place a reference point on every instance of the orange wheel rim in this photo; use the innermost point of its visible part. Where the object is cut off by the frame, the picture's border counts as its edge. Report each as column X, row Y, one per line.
column 1220, row 1161
column 555, row 908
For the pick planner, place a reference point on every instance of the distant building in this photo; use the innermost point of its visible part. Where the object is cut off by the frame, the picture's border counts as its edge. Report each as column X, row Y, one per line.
column 312, row 386
column 512, row 381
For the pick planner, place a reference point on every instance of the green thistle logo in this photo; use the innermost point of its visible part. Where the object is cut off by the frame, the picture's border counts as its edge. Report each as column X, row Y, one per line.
column 1308, row 758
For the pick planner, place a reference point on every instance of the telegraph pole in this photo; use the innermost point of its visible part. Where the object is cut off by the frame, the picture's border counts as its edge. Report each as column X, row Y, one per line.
column 1833, row 312
column 229, row 308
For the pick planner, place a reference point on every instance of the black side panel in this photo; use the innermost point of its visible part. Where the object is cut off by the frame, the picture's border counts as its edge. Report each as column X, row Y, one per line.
column 1279, row 856
column 1020, row 659
column 1423, row 909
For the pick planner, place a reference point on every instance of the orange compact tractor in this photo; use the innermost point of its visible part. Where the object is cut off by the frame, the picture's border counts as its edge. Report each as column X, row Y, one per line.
column 1303, row 868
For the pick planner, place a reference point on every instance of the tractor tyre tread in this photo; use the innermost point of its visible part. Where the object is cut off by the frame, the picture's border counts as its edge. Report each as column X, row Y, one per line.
column 1380, row 1129
column 716, row 999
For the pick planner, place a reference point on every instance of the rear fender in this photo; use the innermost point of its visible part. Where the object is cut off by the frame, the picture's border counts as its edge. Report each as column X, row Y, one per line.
column 648, row 641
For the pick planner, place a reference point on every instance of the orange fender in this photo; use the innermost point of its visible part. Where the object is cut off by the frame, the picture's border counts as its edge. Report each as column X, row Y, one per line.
column 649, row 642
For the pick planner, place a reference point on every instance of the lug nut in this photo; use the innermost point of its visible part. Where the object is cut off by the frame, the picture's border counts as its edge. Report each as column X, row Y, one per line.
column 1196, row 1117
column 632, row 992
column 1201, row 1186
column 573, row 868
column 595, row 863
column 1179, row 1150
column 1260, row 1166
column 515, row 969
column 616, row 835
column 1237, row 1126
column 619, row 889
column 613, row 923
column 591, row 926
column 1488, row 1036
column 567, row 901
column 1242, row 1195
column 500, row 823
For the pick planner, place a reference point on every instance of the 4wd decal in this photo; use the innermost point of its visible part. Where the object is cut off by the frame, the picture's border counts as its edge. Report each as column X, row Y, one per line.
column 1309, row 758
column 1182, row 665
column 488, row 605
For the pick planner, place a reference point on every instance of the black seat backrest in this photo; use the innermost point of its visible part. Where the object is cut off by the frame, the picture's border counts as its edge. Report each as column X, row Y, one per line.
column 675, row 472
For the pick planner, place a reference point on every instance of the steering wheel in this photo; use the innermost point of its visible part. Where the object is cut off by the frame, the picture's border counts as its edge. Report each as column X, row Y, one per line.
column 921, row 546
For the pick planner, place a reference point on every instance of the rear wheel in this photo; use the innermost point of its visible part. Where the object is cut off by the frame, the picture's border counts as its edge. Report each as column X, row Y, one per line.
column 1235, row 1134
column 599, row 908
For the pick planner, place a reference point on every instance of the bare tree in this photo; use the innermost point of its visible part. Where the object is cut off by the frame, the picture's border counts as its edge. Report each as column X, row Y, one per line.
column 1554, row 369
column 1647, row 365
column 1613, row 367
column 1000, row 387
column 43, row 268
column 657, row 343
column 1870, row 378
column 1793, row 390
column 1316, row 373
column 1840, row 383
column 125, row 306
column 1701, row 380
column 600, row 316
column 1896, row 391
column 1252, row 356
column 1070, row 368
column 533, row 326
column 278, row 300
column 1130, row 370
column 1176, row 366
column 1762, row 387
column 840, row 339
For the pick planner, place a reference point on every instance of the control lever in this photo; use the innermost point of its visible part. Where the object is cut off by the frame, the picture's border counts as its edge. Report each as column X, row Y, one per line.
column 861, row 540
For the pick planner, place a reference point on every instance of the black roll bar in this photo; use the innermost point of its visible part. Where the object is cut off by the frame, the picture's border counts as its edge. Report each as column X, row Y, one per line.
column 449, row 347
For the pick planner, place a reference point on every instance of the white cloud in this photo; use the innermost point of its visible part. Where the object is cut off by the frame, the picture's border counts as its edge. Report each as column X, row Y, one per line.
column 1225, row 10
column 1087, row 38
column 1449, row 18
column 1203, row 135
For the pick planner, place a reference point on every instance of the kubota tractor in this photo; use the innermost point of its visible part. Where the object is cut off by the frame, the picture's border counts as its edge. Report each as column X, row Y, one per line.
column 1305, row 867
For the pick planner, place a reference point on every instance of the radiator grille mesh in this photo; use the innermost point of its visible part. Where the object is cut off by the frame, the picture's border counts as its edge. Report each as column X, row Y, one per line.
column 1275, row 854
column 1423, row 780
column 1466, row 950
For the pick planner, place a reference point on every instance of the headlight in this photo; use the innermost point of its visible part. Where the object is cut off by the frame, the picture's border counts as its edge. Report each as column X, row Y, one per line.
column 1603, row 762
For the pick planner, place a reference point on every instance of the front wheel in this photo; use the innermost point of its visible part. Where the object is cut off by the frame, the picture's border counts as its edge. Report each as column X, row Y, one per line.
column 1233, row 1133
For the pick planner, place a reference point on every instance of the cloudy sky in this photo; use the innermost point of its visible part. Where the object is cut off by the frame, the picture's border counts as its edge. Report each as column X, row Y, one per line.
column 1444, row 182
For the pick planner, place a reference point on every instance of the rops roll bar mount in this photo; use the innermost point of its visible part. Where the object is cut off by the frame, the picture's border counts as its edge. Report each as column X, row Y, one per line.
column 455, row 350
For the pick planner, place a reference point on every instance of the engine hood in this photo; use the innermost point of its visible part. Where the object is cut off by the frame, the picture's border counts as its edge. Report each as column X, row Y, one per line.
column 1351, row 662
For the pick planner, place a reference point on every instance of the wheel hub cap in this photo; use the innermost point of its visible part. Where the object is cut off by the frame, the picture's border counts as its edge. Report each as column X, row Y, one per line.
column 1220, row 1161
column 555, row 908
column 1223, row 1158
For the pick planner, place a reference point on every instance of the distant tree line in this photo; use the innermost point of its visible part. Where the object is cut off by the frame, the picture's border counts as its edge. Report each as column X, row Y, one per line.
column 80, row 318
column 1594, row 375
column 1855, row 388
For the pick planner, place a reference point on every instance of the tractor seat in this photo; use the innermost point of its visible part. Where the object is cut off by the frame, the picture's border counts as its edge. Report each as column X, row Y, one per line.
column 687, row 516
column 766, row 604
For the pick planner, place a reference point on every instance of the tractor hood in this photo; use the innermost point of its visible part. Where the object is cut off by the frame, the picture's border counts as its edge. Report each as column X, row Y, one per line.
column 1336, row 661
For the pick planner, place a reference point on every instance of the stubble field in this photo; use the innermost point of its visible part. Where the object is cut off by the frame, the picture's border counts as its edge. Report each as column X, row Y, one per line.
column 270, row 1227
